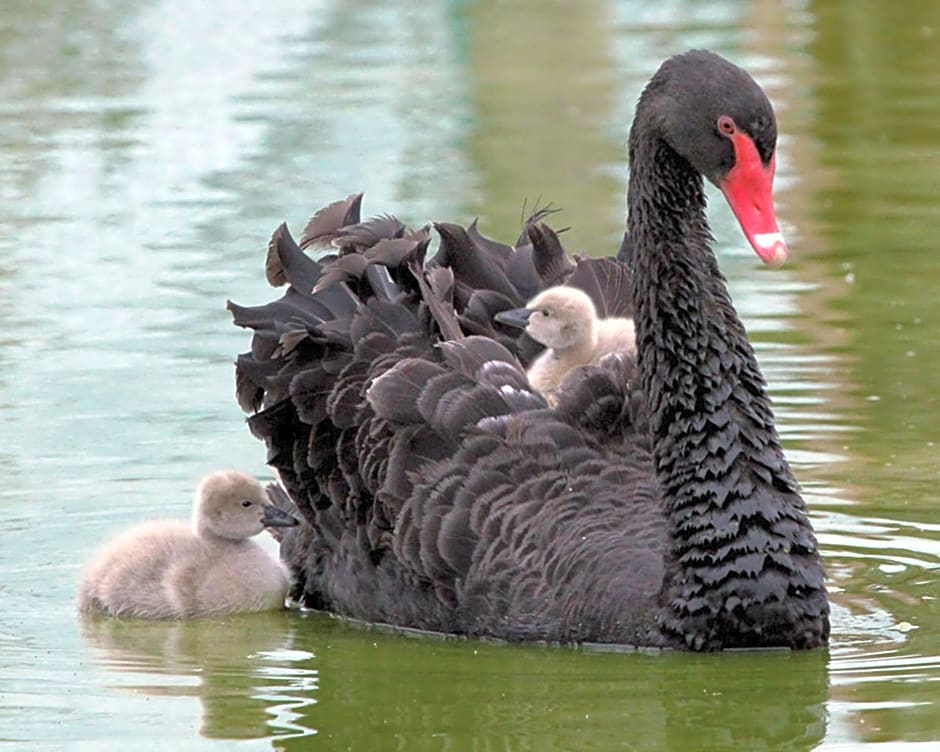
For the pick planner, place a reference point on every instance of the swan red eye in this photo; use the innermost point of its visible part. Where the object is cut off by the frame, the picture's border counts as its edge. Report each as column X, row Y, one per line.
column 726, row 125
column 246, row 503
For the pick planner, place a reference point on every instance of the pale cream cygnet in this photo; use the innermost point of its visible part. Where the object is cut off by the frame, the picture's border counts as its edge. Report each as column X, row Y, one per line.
column 565, row 320
column 174, row 569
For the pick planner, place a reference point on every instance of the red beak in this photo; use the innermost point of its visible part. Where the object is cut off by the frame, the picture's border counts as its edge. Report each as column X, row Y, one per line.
column 748, row 189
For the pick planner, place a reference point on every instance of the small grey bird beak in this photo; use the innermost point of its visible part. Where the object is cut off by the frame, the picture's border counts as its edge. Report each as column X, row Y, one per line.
column 277, row 517
column 518, row 317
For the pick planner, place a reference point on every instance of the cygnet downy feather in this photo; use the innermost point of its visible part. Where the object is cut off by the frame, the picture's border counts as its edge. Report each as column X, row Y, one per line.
column 565, row 320
column 174, row 569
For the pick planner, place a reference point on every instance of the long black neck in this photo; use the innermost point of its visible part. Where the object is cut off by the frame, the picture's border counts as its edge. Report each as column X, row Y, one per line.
column 744, row 569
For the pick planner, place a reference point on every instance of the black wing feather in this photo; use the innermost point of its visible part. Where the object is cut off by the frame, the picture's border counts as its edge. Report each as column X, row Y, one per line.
column 427, row 473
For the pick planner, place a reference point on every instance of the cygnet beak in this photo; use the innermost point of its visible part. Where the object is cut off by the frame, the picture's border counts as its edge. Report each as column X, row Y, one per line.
column 518, row 317
column 277, row 517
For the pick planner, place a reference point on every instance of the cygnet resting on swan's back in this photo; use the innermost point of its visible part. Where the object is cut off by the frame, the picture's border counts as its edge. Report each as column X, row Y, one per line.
column 564, row 319
column 651, row 505
column 177, row 569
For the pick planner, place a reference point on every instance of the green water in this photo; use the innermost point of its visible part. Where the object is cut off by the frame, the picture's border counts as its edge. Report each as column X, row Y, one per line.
column 147, row 150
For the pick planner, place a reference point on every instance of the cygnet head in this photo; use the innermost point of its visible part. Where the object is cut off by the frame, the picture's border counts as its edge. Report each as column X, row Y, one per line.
column 232, row 505
column 559, row 317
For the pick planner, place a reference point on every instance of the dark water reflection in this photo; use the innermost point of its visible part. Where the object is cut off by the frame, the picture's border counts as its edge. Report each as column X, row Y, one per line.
column 147, row 151
column 316, row 681
column 458, row 695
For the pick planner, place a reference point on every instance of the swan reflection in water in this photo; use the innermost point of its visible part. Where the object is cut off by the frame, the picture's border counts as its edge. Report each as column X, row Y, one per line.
column 255, row 677
column 426, row 694
column 249, row 679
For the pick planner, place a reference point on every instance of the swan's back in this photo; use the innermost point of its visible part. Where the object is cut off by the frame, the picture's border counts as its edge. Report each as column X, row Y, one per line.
column 437, row 488
column 568, row 529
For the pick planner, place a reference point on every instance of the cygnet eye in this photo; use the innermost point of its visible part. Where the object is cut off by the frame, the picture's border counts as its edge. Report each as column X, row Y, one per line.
column 546, row 312
column 246, row 503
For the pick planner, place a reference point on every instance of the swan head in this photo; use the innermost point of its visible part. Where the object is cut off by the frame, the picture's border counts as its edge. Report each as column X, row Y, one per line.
column 232, row 505
column 559, row 317
column 712, row 113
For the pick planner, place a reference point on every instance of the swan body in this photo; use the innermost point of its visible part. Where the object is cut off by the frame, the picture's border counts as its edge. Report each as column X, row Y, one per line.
column 650, row 505
column 565, row 320
column 175, row 569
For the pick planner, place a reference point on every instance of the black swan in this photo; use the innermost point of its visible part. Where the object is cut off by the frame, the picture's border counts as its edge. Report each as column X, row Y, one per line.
column 651, row 506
